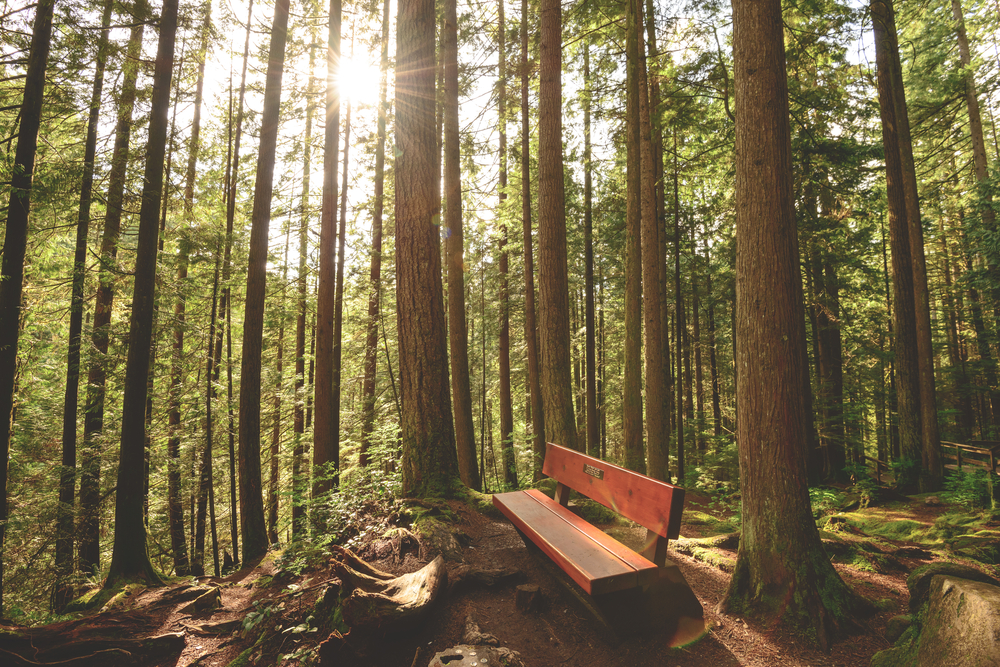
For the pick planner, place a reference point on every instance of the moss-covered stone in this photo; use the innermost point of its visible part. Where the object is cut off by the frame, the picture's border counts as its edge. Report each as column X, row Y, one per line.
column 897, row 626
column 961, row 626
column 919, row 581
column 706, row 549
column 483, row 503
column 904, row 653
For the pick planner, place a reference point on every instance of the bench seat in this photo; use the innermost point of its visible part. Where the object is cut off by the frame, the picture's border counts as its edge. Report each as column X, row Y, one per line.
column 598, row 563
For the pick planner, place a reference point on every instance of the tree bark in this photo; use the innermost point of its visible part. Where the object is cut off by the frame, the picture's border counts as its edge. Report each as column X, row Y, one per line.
column 712, row 353
column 593, row 426
column 130, row 558
column 272, row 486
column 458, row 332
column 931, row 471
column 184, row 247
column 678, row 317
column 325, row 454
column 657, row 439
column 300, row 486
column 251, row 498
column 175, row 509
column 430, row 464
column 981, row 165
column 338, row 314
column 782, row 572
column 537, row 411
column 906, row 345
column 557, row 384
column 206, row 481
column 506, row 403
column 93, row 414
column 634, row 454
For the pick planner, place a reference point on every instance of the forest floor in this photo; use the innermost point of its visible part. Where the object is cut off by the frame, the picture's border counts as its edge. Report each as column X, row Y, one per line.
column 875, row 549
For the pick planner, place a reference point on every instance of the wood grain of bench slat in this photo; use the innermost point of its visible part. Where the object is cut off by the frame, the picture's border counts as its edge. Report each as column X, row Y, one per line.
column 595, row 561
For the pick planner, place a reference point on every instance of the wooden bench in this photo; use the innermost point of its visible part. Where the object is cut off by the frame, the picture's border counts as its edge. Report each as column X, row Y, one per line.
column 626, row 590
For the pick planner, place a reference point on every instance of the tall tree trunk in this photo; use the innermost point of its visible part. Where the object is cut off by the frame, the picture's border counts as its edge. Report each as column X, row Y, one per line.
column 593, row 427
column 957, row 355
column 991, row 411
column 184, row 246
column 657, row 439
column 178, row 519
column 325, row 453
column 557, row 386
column 458, row 332
column 656, row 125
column 251, row 498
column 906, row 346
column 93, row 414
column 981, row 165
column 299, row 485
column 272, row 486
column 782, row 572
column 67, row 476
column 712, row 352
column 601, row 361
column 931, row 471
column 506, row 403
column 226, row 307
column 699, row 381
column 338, row 315
column 530, row 325
column 16, row 242
column 634, row 454
column 979, row 158
column 206, row 481
column 430, row 463
column 678, row 316
column 175, row 509
column 375, row 274
column 130, row 558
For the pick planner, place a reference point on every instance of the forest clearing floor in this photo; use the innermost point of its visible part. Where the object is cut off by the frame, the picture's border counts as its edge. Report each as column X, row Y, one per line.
column 265, row 614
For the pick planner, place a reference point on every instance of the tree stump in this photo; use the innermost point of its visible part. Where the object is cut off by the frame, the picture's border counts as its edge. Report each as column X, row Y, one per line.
column 526, row 598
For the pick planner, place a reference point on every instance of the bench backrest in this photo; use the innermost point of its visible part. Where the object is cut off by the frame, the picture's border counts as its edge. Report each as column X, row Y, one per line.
column 651, row 503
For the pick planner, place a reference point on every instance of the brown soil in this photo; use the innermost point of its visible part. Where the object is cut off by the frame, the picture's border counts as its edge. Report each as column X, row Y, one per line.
column 560, row 633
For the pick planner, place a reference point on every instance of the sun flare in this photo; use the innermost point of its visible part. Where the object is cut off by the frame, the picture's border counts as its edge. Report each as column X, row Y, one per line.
column 359, row 78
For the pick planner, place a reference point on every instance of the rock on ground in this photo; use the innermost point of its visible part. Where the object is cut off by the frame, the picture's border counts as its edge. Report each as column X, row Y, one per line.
column 962, row 626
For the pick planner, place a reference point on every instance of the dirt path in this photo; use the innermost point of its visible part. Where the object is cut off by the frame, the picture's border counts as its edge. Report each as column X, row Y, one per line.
column 563, row 634
column 560, row 633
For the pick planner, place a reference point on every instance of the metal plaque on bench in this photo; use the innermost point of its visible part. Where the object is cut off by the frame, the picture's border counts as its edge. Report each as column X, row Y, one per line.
column 592, row 471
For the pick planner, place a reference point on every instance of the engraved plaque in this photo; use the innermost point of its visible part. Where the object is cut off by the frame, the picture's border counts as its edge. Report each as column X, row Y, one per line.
column 592, row 471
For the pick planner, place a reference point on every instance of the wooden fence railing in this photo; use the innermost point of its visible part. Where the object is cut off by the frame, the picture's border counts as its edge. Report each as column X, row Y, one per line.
column 984, row 454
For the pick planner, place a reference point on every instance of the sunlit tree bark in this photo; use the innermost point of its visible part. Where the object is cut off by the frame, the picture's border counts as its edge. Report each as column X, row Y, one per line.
column 782, row 573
